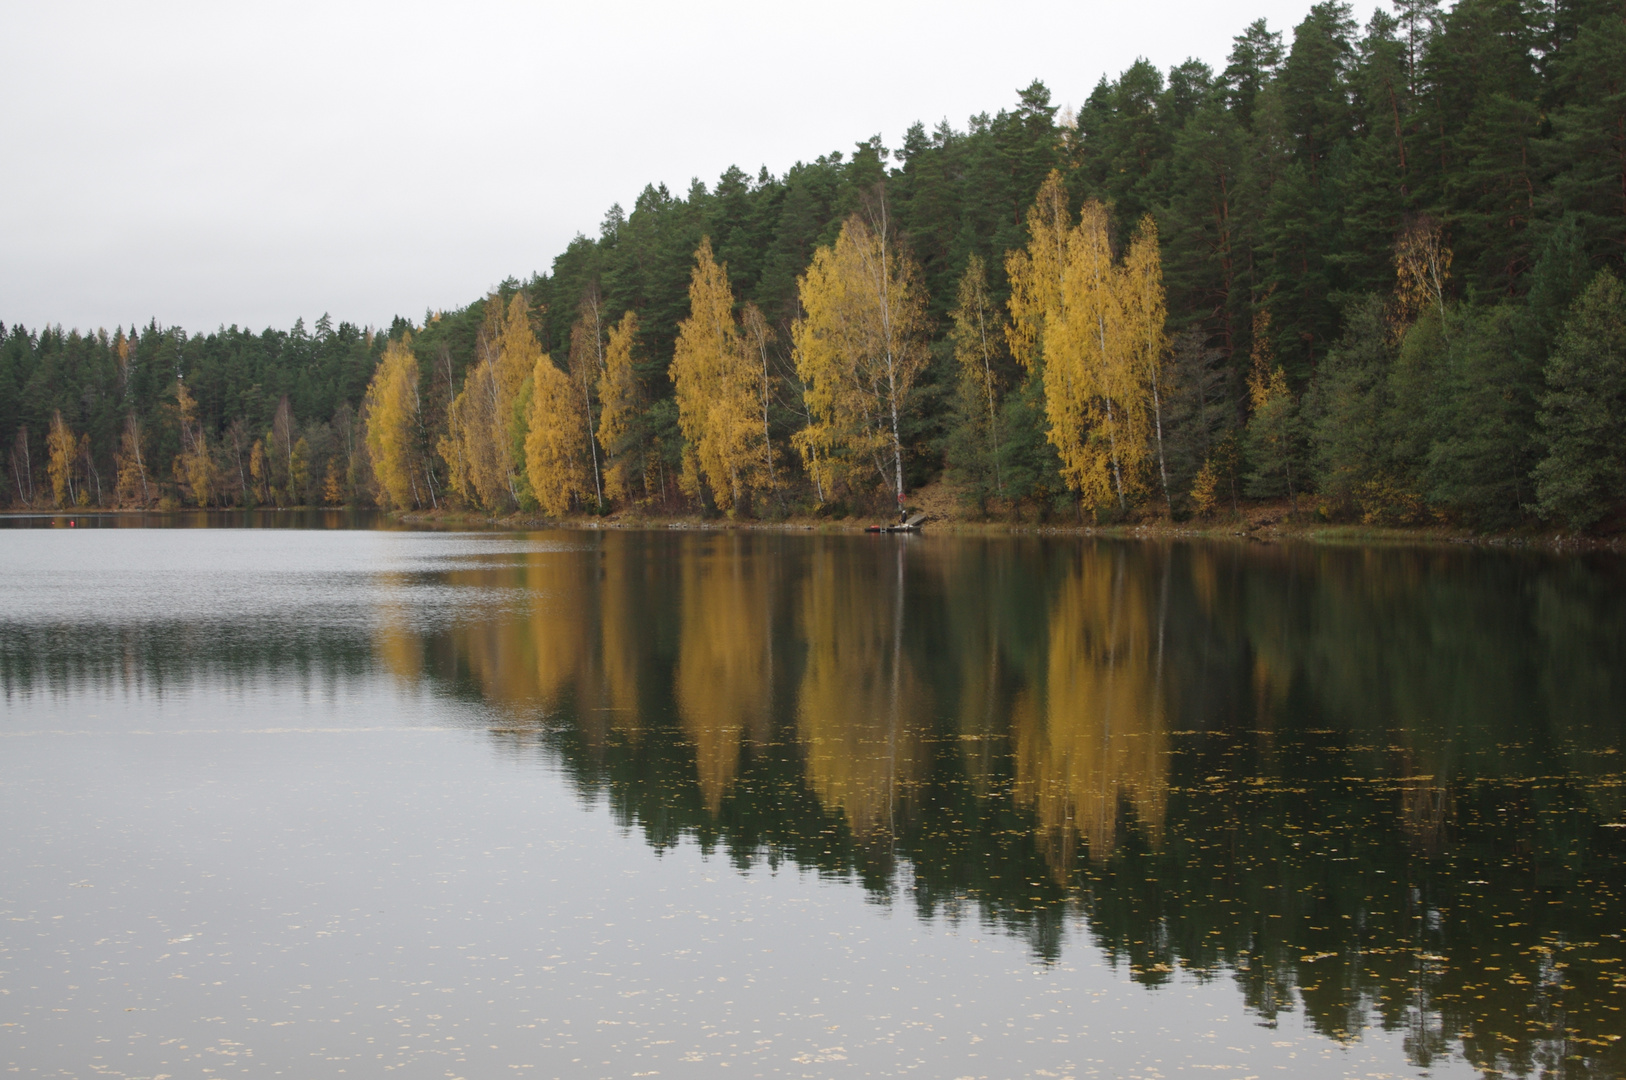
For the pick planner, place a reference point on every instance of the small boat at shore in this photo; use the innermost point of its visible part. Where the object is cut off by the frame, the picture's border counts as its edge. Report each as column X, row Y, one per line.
column 911, row 524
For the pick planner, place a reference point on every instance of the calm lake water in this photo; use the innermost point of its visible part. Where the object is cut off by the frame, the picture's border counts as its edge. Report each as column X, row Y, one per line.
column 320, row 802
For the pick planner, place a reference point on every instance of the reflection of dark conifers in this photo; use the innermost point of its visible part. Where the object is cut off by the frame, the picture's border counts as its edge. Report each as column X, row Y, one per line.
column 1368, row 784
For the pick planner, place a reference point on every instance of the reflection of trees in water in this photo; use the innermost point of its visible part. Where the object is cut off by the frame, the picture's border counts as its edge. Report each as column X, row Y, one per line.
column 155, row 657
column 1091, row 737
column 861, row 710
column 1368, row 784
column 725, row 659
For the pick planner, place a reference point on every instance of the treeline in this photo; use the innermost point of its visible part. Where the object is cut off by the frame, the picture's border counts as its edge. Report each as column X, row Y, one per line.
column 1371, row 271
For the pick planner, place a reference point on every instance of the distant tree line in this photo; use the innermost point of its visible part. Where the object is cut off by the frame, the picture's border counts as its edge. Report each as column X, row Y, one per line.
column 1373, row 272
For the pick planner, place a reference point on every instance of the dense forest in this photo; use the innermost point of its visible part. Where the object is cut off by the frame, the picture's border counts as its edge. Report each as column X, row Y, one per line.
column 1374, row 272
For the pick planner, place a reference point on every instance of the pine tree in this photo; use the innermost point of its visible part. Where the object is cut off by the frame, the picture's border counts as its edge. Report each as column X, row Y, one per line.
column 1347, row 410
column 1273, row 429
column 1479, row 462
column 1587, row 153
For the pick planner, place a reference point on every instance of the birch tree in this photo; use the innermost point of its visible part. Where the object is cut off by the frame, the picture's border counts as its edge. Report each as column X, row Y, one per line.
column 485, row 429
column 1038, row 271
column 61, row 447
column 718, row 388
column 621, row 413
column 586, row 369
column 859, row 348
column 392, row 421
column 1146, row 317
column 1092, row 396
column 556, row 458
column 977, row 337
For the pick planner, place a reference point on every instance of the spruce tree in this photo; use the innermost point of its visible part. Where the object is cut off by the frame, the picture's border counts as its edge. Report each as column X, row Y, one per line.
column 1583, row 410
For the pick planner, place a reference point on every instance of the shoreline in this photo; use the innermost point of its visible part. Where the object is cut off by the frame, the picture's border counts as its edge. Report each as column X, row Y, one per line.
column 1258, row 528
column 1245, row 531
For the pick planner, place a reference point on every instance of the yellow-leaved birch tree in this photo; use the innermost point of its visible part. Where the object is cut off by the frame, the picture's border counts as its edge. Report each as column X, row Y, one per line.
column 194, row 463
column 484, row 428
column 392, row 424
column 556, row 458
column 757, row 337
column 621, row 414
column 587, row 362
column 975, row 337
column 859, row 348
column 1071, row 322
column 1095, row 405
column 1036, row 273
column 62, row 447
column 132, row 489
column 718, row 387
column 1146, row 316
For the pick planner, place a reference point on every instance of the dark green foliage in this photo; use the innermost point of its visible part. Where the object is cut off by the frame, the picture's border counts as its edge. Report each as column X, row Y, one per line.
column 1583, row 411
column 1347, row 410
column 1198, row 411
column 1478, row 467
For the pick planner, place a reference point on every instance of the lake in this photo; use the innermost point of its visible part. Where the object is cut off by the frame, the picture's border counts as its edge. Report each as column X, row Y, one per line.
column 330, row 801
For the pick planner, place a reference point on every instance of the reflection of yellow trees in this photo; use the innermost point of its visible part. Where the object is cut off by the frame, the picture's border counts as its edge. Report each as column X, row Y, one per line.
column 576, row 635
column 725, row 662
column 1096, row 737
column 399, row 648
column 862, row 710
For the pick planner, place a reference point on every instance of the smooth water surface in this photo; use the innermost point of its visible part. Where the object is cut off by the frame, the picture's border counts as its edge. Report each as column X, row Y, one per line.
column 315, row 803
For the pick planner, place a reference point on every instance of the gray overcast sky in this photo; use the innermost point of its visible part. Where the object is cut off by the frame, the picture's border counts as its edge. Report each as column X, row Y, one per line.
column 212, row 163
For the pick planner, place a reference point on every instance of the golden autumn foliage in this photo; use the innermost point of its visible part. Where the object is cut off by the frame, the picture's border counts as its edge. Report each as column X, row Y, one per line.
column 132, row 487
column 333, row 483
column 484, row 428
column 1036, row 272
column 1422, row 267
column 859, row 348
column 621, row 414
column 719, row 388
column 392, row 412
column 1146, row 315
column 194, row 464
column 257, row 471
column 586, row 364
column 1095, row 330
column 555, row 455
column 62, row 447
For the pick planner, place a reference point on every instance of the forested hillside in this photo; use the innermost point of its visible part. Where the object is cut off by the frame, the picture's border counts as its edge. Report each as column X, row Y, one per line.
column 1371, row 270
